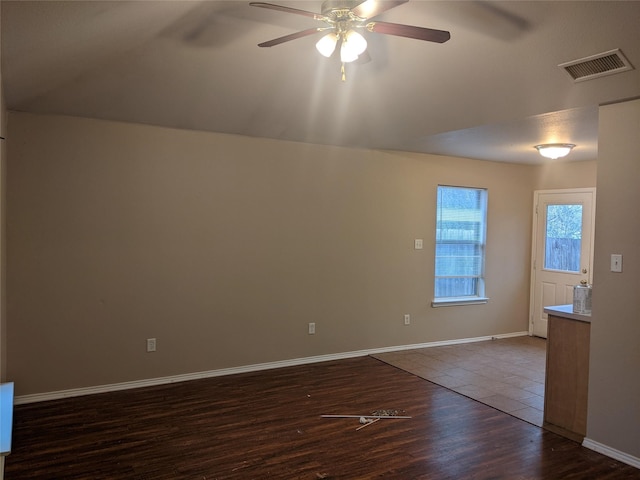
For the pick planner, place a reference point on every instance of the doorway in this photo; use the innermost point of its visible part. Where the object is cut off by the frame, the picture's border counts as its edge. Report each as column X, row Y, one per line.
column 561, row 251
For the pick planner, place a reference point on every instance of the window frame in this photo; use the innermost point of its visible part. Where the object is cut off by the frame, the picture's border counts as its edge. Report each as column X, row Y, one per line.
column 479, row 297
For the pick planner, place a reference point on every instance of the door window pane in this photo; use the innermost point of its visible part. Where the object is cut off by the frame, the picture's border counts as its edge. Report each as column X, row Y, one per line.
column 563, row 240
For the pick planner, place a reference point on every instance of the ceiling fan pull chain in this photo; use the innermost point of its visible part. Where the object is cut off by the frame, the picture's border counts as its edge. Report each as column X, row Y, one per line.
column 344, row 77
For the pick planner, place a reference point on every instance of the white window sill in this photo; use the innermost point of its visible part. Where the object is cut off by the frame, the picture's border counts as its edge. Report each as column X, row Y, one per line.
column 455, row 302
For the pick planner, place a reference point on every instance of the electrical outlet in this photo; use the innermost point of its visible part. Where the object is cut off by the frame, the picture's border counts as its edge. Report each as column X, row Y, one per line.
column 407, row 319
column 151, row 344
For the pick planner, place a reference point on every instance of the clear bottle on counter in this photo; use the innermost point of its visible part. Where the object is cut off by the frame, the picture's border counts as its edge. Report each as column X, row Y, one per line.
column 582, row 299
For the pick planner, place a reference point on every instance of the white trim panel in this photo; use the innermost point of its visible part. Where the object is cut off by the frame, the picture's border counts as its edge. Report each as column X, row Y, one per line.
column 76, row 392
column 457, row 302
column 611, row 452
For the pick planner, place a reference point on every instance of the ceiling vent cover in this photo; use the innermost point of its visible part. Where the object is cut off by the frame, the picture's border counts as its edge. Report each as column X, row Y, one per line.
column 595, row 66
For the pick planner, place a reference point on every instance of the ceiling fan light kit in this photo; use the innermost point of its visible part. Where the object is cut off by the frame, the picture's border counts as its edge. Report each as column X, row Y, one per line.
column 353, row 44
column 327, row 44
column 554, row 150
column 343, row 18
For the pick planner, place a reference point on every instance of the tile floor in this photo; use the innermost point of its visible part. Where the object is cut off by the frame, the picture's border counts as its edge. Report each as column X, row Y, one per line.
column 507, row 373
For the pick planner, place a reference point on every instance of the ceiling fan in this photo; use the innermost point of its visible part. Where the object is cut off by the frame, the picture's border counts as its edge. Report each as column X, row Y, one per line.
column 343, row 18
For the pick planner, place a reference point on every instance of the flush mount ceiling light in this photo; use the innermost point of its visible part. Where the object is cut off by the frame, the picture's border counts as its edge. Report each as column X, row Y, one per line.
column 554, row 150
column 342, row 18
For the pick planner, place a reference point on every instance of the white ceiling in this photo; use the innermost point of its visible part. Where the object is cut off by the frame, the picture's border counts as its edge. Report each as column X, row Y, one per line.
column 492, row 92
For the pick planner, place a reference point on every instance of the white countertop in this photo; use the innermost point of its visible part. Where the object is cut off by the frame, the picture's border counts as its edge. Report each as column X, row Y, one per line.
column 566, row 311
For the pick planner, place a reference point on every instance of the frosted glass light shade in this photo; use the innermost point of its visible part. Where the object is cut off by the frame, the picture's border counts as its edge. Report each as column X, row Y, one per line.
column 555, row 150
column 347, row 54
column 356, row 41
column 353, row 44
column 327, row 44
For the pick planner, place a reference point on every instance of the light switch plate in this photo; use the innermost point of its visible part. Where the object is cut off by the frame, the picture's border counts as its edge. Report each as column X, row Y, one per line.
column 616, row 262
column 417, row 244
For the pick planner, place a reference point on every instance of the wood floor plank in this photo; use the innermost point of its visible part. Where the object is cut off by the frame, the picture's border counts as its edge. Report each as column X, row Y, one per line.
column 267, row 425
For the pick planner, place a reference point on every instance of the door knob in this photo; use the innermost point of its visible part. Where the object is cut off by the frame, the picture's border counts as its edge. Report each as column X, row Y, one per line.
column 583, row 282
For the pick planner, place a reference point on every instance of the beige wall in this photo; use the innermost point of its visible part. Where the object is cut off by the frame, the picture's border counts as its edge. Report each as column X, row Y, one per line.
column 3, row 324
column 225, row 247
column 614, row 381
column 3, row 305
column 556, row 175
column 3, row 133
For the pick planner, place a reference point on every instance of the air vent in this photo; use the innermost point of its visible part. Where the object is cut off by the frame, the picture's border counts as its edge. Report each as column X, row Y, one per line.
column 595, row 66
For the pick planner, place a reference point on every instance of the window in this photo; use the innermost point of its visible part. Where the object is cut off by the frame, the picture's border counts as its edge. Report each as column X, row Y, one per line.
column 461, row 220
column 563, row 239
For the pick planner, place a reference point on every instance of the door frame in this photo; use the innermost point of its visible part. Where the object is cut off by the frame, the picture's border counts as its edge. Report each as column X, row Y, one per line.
column 534, row 239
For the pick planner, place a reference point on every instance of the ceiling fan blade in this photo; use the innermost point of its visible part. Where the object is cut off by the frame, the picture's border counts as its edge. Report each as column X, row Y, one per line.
column 409, row 31
column 282, row 8
column 291, row 36
column 373, row 8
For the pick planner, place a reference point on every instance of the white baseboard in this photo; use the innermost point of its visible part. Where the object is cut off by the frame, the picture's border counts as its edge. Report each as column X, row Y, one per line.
column 76, row 392
column 611, row 452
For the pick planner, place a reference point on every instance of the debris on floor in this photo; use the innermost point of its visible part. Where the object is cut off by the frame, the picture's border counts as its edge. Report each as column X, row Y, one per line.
column 366, row 422
column 376, row 415
column 387, row 413
column 365, row 416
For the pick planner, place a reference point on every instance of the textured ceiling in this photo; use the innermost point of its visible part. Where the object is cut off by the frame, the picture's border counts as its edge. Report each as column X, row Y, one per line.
column 492, row 92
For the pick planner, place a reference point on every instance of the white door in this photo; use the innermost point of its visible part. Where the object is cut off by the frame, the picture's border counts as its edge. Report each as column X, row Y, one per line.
column 562, row 249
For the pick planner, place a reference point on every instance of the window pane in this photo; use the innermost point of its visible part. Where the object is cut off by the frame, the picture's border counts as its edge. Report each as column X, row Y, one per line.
column 460, row 237
column 458, row 259
column 563, row 241
column 456, row 287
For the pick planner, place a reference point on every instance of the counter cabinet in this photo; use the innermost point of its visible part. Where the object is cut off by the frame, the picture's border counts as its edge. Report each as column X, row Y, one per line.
column 567, row 374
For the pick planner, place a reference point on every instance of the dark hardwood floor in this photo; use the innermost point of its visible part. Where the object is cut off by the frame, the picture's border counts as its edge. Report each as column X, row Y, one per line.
column 268, row 425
